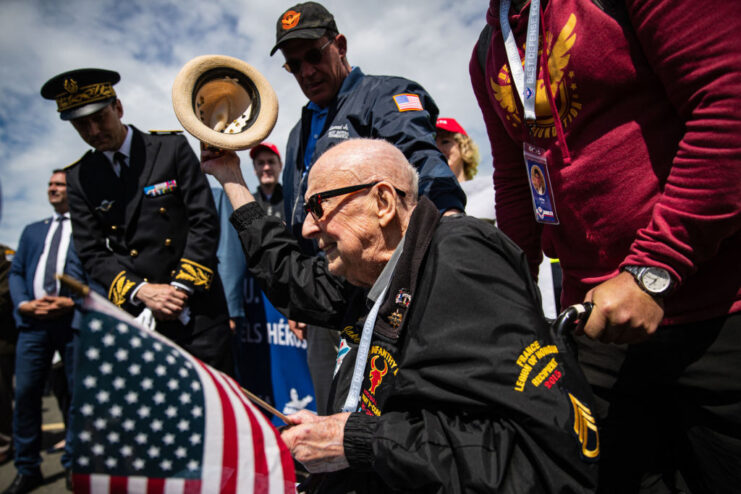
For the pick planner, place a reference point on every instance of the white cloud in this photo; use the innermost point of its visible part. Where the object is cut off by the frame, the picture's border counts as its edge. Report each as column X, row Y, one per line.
column 148, row 41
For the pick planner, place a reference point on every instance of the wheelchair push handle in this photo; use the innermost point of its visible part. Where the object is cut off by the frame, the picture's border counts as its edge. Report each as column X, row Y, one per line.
column 571, row 317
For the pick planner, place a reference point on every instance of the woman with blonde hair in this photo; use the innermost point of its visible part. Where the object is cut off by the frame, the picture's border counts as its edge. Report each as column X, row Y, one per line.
column 459, row 149
column 463, row 159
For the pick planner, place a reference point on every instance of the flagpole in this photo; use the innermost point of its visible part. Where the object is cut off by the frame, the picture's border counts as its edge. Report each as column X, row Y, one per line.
column 84, row 290
column 257, row 401
column 74, row 285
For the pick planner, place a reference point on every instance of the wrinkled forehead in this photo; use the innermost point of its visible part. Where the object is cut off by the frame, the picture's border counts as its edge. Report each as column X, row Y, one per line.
column 318, row 181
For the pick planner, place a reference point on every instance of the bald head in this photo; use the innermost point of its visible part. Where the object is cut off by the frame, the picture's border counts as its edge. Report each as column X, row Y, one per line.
column 359, row 230
column 368, row 160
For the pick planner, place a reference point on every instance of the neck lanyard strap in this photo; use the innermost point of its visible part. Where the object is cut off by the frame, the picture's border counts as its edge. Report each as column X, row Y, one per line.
column 525, row 80
column 353, row 396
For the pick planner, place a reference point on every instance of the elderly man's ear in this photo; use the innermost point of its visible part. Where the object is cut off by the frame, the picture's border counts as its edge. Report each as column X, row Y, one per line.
column 386, row 203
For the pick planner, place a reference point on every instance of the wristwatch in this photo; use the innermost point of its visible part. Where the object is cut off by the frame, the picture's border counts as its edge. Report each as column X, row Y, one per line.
column 657, row 282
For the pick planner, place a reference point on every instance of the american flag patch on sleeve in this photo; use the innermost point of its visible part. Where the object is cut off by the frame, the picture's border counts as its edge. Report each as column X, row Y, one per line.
column 408, row 102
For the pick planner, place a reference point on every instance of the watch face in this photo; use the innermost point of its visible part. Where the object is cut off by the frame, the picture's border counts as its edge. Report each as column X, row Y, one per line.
column 656, row 280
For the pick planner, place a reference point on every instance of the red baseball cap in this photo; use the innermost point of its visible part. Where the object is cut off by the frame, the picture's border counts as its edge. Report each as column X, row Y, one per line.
column 450, row 125
column 265, row 145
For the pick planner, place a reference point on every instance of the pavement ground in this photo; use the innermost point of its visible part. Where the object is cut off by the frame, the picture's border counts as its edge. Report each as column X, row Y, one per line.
column 51, row 468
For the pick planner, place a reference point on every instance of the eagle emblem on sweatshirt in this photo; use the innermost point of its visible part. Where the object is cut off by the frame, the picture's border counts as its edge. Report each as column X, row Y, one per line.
column 562, row 86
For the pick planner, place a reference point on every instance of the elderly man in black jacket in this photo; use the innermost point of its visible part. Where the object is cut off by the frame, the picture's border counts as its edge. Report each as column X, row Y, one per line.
column 447, row 378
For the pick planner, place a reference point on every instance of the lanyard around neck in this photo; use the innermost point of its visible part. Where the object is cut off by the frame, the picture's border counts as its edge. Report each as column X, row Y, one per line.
column 353, row 396
column 525, row 80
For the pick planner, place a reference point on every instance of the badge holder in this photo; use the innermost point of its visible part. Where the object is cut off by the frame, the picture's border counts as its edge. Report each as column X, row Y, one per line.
column 541, row 191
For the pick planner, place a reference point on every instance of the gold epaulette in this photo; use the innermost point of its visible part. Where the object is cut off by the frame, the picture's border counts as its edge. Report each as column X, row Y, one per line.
column 76, row 162
column 165, row 132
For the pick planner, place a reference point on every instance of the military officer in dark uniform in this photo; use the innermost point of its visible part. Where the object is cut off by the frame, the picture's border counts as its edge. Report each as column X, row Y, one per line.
column 143, row 218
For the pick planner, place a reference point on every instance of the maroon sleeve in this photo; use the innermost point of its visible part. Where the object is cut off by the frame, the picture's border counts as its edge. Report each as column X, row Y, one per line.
column 695, row 50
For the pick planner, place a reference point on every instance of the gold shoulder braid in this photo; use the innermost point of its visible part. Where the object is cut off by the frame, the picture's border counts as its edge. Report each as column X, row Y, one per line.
column 194, row 273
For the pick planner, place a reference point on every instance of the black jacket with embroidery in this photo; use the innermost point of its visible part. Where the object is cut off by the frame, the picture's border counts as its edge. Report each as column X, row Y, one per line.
column 473, row 391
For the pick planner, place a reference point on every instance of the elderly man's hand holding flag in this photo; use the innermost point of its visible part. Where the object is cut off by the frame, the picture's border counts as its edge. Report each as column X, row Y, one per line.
column 150, row 418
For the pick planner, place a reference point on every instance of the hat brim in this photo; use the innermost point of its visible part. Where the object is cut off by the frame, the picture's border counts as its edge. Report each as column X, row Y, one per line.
column 84, row 111
column 306, row 33
column 262, row 147
column 265, row 99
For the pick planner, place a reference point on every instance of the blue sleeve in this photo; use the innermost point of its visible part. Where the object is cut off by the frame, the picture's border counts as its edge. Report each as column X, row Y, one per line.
column 232, row 264
column 17, row 277
column 413, row 132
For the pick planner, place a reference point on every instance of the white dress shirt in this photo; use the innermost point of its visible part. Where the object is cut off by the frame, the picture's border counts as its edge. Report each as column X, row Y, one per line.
column 38, row 279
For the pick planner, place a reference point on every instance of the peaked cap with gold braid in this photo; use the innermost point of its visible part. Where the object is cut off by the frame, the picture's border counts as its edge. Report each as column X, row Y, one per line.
column 81, row 92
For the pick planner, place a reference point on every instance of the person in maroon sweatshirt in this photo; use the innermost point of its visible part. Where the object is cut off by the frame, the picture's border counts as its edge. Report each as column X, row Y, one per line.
column 642, row 207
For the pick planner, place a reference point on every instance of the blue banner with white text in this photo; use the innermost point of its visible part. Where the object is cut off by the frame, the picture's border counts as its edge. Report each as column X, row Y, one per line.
column 271, row 360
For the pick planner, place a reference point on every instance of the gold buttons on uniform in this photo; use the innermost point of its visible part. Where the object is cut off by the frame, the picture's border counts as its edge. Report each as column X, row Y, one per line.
column 168, row 242
column 163, row 210
column 134, row 253
column 172, row 273
column 114, row 228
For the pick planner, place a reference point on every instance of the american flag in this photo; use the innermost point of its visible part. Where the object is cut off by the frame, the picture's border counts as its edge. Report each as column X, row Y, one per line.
column 407, row 102
column 150, row 418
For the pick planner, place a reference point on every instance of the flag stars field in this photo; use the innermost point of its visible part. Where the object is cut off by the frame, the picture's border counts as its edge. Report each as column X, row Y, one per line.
column 138, row 422
column 143, row 417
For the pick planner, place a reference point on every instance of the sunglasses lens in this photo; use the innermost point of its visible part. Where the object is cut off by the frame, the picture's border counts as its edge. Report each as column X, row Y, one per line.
column 312, row 206
column 316, row 207
column 292, row 66
column 313, row 56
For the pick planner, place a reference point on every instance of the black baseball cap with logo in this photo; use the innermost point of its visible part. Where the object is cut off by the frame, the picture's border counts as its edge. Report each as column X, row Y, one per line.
column 308, row 20
column 81, row 92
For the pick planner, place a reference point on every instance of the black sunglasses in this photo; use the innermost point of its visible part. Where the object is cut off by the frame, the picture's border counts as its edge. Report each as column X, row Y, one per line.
column 314, row 204
column 313, row 56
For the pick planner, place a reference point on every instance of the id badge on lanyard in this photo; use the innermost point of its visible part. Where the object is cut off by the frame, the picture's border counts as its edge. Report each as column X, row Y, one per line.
column 540, row 184
column 525, row 80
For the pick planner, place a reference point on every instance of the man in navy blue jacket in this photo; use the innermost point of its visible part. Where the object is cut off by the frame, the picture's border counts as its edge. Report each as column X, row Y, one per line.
column 344, row 103
column 44, row 312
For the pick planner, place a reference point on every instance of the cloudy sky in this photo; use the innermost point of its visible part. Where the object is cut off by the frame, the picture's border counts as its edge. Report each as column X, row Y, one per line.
column 148, row 41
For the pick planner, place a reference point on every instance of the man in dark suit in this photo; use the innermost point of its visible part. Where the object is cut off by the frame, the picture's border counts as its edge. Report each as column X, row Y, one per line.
column 144, row 220
column 44, row 314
